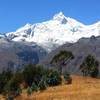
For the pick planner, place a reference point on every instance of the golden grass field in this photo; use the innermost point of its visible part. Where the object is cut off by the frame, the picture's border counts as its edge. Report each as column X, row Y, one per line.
column 82, row 88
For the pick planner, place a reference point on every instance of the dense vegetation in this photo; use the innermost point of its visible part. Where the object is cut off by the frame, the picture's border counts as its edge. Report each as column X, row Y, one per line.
column 89, row 67
column 32, row 78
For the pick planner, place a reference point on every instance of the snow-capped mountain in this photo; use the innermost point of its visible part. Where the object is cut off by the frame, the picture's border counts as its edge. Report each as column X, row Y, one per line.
column 55, row 32
column 32, row 43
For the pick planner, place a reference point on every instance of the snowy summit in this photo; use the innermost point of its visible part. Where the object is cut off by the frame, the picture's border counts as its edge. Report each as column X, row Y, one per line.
column 57, row 31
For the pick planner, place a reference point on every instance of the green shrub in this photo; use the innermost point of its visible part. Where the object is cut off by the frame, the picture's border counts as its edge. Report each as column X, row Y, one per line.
column 68, row 79
column 28, row 74
column 34, row 87
column 18, row 91
column 5, row 76
column 95, row 73
column 2, row 83
column 13, row 85
column 29, row 91
column 53, row 78
column 33, row 73
column 42, row 84
column 10, row 97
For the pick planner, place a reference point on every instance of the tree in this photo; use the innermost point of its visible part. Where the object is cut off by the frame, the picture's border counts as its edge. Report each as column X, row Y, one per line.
column 62, row 59
column 29, row 91
column 90, row 66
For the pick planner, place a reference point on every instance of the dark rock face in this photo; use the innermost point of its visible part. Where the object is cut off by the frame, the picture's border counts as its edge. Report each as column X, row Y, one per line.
column 29, row 56
column 64, row 21
column 17, row 54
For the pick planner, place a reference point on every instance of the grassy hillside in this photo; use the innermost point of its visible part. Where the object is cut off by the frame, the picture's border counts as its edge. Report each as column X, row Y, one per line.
column 82, row 88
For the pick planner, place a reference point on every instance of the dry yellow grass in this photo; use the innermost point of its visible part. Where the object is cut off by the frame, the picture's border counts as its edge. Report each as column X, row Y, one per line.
column 80, row 89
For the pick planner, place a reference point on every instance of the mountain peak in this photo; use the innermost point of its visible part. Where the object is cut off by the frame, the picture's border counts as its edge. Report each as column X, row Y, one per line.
column 27, row 25
column 59, row 14
column 60, row 17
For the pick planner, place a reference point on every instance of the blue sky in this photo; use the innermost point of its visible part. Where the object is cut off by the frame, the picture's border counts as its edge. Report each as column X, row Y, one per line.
column 16, row 13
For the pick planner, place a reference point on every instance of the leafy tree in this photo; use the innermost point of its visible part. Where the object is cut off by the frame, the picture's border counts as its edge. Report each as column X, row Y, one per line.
column 90, row 66
column 61, row 59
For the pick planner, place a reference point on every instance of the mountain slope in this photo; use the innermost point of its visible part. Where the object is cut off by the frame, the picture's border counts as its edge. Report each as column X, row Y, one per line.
column 15, row 55
column 80, row 50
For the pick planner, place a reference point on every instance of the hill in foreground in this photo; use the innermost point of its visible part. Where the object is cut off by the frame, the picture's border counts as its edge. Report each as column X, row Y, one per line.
column 82, row 88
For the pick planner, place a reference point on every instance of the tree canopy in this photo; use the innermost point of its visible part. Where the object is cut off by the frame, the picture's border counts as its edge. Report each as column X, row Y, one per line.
column 90, row 66
column 61, row 59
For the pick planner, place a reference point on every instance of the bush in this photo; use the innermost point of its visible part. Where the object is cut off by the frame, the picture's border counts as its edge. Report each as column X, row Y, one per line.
column 33, row 74
column 34, row 87
column 42, row 84
column 42, row 78
column 53, row 78
column 29, row 91
column 95, row 73
column 28, row 74
column 2, row 83
column 67, row 78
column 5, row 76
column 10, row 97
column 89, row 67
column 13, row 85
column 18, row 91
